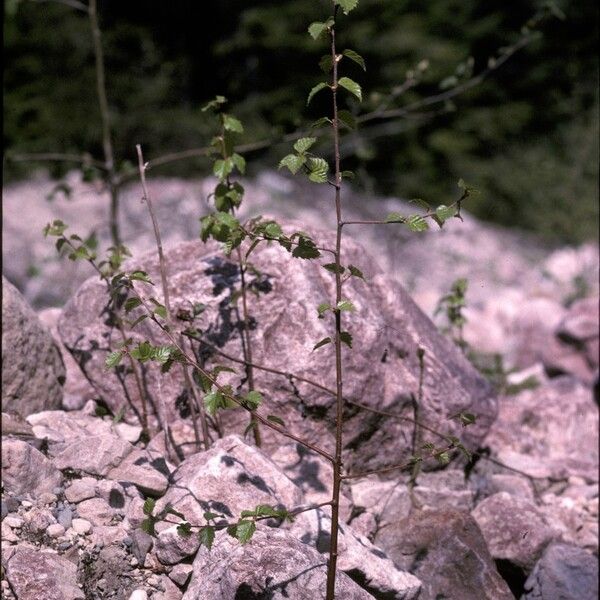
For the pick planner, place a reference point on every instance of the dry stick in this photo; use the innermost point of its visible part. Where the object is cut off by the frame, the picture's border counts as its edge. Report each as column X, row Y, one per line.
column 106, row 132
column 248, row 345
column 165, row 287
column 339, row 396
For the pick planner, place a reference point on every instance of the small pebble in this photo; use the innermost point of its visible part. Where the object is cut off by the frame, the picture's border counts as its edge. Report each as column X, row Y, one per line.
column 55, row 530
column 26, row 504
column 47, row 498
column 138, row 595
column 14, row 522
column 153, row 580
column 64, row 546
column 180, row 574
column 81, row 526
column 65, row 517
column 127, row 540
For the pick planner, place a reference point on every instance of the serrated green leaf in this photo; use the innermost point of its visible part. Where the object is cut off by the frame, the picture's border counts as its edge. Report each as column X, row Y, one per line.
column 306, row 249
column 161, row 311
column 323, row 308
column 347, row 5
column 356, row 57
column 232, row 124
column 443, row 458
column 148, row 507
column 444, row 212
column 113, row 359
column 213, row 402
column 351, row 86
column 346, row 338
column 253, row 399
column 334, row 268
column 184, row 529
column 292, row 162
column 321, row 343
column 244, row 531
column 417, row 223
column 140, row 276
column 304, row 144
column 315, row 90
column 348, row 175
column 276, row 419
column 345, row 305
column 318, row 169
column 240, row 163
column 162, row 354
column 420, row 202
column 223, row 168
column 147, row 526
column 316, row 29
column 209, row 516
column 207, row 536
column 131, row 303
column 56, row 228
column 347, row 118
column 356, row 272
column 321, row 122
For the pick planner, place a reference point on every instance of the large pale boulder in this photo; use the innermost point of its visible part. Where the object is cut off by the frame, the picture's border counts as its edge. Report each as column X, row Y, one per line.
column 272, row 565
column 382, row 371
column 33, row 372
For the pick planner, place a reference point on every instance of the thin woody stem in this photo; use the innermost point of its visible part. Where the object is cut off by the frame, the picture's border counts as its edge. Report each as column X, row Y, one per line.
column 165, row 286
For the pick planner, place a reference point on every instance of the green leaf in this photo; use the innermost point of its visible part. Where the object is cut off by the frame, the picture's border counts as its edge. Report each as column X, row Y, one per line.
column 304, row 144
column 323, row 308
column 253, row 399
column 318, row 169
column 356, row 272
column 348, row 175
column 207, row 536
column 147, row 526
column 417, row 223
column 306, row 249
column 345, row 305
column 316, row 29
column 184, row 529
column 223, row 168
column 347, row 118
column 113, row 359
column 140, row 276
column 232, row 124
column 276, row 419
column 334, row 268
column 216, row 103
column 292, row 162
column 357, row 58
column 56, row 228
column 347, row 5
column 346, row 338
column 444, row 212
column 351, row 86
column 420, row 202
column 240, row 163
column 443, row 458
column 321, row 122
column 131, row 303
column 326, row 63
column 213, row 402
column 162, row 354
column 315, row 90
column 210, row 516
column 244, row 531
column 322, row 343
column 148, row 507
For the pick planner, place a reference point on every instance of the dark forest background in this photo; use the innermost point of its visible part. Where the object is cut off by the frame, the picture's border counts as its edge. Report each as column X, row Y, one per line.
column 527, row 137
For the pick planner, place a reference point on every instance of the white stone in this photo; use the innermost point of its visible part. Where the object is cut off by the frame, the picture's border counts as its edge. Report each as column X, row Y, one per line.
column 13, row 522
column 82, row 526
column 55, row 530
column 138, row 595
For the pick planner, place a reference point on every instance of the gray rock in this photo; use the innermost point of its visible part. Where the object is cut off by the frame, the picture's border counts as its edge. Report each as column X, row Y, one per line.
column 514, row 529
column 142, row 469
column 273, row 564
column 81, row 489
column 33, row 575
column 33, row 372
column 26, row 470
column 290, row 287
column 4, row 508
column 564, row 572
column 171, row 547
column 141, row 543
column 65, row 517
column 446, row 551
column 180, row 574
column 551, row 431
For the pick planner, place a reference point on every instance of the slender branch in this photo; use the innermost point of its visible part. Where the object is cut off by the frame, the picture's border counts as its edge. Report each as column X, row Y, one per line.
column 105, row 117
column 165, row 286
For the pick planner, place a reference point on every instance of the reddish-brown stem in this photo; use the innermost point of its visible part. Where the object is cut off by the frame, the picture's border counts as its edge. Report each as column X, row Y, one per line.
column 339, row 394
